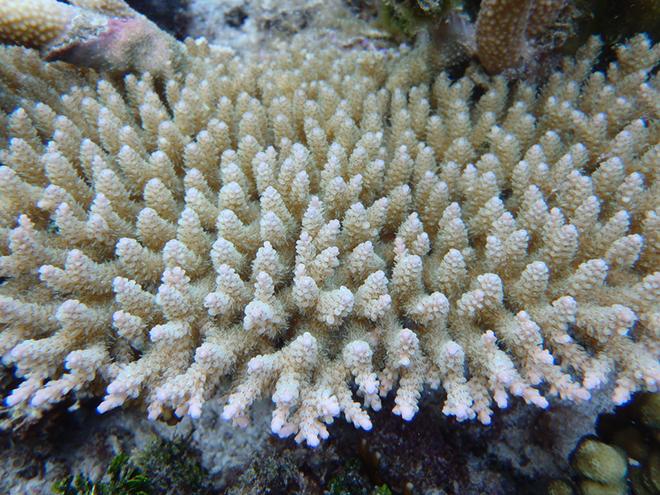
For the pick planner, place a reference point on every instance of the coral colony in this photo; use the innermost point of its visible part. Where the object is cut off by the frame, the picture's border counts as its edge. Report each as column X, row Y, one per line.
column 324, row 226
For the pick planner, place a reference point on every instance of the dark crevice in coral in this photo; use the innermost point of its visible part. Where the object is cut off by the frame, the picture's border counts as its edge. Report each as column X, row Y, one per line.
column 41, row 446
column 170, row 15
column 432, row 452
column 236, row 17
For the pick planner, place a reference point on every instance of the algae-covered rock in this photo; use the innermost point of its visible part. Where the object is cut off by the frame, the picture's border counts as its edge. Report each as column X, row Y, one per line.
column 589, row 487
column 639, row 483
column 649, row 410
column 560, row 487
column 173, row 467
column 600, row 462
column 652, row 471
column 404, row 18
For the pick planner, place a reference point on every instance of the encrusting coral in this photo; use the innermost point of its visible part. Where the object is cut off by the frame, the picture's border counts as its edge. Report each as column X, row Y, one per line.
column 290, row 223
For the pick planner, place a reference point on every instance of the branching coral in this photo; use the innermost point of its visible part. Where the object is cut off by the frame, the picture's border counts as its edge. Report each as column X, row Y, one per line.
column 507, row 30
column 103, row 34
column 290, row 223
column 507, row 35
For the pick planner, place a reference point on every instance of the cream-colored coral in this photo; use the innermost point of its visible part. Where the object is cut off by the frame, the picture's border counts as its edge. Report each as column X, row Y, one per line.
column 34, row 23
column 324, row 241
column 103, row 34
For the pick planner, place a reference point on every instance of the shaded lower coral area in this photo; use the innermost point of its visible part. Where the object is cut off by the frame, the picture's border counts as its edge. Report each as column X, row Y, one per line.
column 79, row 454
column 518, row 453
column 433, row 454
column 624, row 455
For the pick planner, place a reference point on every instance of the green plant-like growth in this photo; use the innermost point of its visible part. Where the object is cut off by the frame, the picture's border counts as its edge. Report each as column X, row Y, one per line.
column 271, row 472
column 162, row 468
column 121, row 478
column 173, row 467
column 352, row 480
column 405, row 18
column 349, row 480
column 382, row 490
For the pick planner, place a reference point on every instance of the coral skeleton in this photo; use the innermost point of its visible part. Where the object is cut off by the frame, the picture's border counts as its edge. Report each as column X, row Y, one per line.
column 288, row 223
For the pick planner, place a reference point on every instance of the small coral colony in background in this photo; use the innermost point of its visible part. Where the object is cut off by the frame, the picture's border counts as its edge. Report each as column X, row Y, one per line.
column 324, row 225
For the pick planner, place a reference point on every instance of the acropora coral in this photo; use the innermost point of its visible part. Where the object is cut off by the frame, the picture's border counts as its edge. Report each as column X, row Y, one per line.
column 285, row 220
column 505, row 35
column 105, row 35
column 509, row 32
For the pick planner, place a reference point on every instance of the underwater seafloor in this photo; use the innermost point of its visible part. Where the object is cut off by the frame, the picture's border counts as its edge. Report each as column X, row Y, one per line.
column 525, row 450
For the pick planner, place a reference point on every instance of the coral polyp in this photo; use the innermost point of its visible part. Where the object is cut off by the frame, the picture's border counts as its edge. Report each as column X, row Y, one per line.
column 327, row 226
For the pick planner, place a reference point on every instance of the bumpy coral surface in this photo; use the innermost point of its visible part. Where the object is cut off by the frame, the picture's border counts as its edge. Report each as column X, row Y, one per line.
column 292, row 224
column 513, row 33
column 102, row 34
